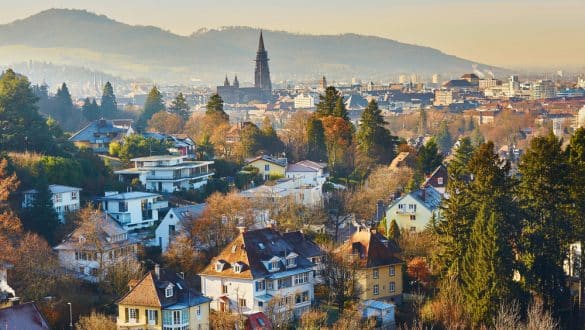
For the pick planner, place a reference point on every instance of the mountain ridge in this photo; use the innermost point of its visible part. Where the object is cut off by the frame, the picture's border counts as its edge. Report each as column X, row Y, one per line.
column 83, row 38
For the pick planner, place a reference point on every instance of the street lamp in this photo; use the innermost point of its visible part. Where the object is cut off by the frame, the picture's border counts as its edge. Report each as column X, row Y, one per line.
column 70, row 316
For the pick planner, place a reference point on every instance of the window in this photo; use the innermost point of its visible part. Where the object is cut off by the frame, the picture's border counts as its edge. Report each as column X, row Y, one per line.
column 270, row 285
column 412, row 229
column 302, row 297
column 413, row 217
column 176, row 317
column 274, row 266
column 376, row 289
column 171, row 229
column 376, row 273
column 74, row 195
column 392, row 287
column 260, row 285
column 169, row 291
column 57, row 198
column 133, row 315
column 198, row 312
column 400, row 206
column 224, row 289
column 266, row 167
column 301, row 278
column 242, row 302
column 260, row 304
column 219, row 266
column 440, row 181
column 152, row 316
column 285, row 282
column 237, row 267
column 392, row 270
column 291, row 262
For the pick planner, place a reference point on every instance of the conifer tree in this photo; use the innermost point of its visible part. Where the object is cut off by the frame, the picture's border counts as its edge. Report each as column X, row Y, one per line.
column 316, row 149
column 108, row 106
column 373, row 139
column 180, row 107
column 62, row 104
column 327, row 102
column 428, row 157
column 91, row 111
column 487, row 272
column 41, row 217
column 544, row 194
column 271, row 143
column 154, row 103
column 340, row 110
column 576, row 154
column 444, row 139
column 393, row 230
column 215, row 107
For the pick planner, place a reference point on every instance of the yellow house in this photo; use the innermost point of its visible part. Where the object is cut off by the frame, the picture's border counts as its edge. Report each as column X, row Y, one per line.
column 269, row 166
column 380, row 273
column 162, row 300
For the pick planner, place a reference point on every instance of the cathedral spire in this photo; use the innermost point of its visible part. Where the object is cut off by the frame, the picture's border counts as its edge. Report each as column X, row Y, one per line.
column 226, row 82
column 236, row 82
column 261, row 43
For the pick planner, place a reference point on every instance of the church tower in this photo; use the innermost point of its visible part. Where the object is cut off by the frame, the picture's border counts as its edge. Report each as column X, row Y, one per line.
column 261, row 72
column 226, row 82
column 236, row 83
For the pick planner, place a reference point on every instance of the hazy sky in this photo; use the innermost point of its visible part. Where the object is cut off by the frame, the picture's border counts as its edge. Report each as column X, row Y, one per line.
column 512, row 33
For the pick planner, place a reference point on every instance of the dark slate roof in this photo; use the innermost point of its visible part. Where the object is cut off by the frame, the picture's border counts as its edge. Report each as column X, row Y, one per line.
column 304, row 246
column 459, row 83
column 150, row 291
column 429, row 197
column 22, row 317
column 190, row 211
column 99, row 129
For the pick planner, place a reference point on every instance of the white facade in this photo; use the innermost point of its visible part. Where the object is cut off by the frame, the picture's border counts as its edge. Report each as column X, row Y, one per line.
column 133, row 210
column 168, row 173
column 307, row 194
column 306, row 100
column 171, row 224
column 65, row 199
column 414, row 211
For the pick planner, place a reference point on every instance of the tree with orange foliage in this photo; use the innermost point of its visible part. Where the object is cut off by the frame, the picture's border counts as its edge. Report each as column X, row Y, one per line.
column 418, row 269
column 166, row 122
column 338, row 138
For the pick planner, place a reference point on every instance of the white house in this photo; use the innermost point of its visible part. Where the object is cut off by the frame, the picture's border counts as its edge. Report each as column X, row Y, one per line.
column 256, row 267
column 414, row 210
column 133, row 210
column 306, row 100
column 168, row 173
column 308, row 171
column 300, row 192
column 89, row 250
column 172, row 223
column 65, row 199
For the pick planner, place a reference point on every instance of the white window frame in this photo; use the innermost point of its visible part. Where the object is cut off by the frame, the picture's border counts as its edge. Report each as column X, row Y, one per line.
column 392, row 286
column 392, row 271
column 376, row 273
column 132, row 315
column 169, row 291
column 152, row 317
column 376, row 290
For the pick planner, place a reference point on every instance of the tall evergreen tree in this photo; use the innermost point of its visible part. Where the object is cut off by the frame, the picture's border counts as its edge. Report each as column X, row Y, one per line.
column 576, row 154
column 154, row 103
column 544, row 194
column 215, row 107
column 316, row 148
column 271, row 143
column 429, row 157
column 328, row 102
column 180, row 107
column 422, row 122
column 487, row 273
column 108, row 106
column 374, row 140
column 41, row 217
column 444, row 139
column 340, row 110
column 91, row 111
column 23, row 128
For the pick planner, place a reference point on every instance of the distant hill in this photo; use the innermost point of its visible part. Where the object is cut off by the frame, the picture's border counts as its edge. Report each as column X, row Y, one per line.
column 81, row 38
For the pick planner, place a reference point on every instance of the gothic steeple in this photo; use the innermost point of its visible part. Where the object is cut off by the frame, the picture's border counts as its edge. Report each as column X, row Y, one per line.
column 236, row 83
column 261, row 72
column 226, row 82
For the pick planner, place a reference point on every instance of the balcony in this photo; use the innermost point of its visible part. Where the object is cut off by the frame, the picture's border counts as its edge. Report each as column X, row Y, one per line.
column 121, row 217
column 406, row 211
column 157, row 205
column 178, row 177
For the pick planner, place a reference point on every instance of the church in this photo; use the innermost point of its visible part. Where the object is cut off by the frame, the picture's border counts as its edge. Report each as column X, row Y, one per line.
column 262, row 90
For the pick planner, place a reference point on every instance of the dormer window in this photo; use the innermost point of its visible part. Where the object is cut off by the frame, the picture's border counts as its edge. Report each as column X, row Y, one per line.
column 219, row 266
column 291, row 260
column 238, row 267
column 169, row 291
column 273, row 264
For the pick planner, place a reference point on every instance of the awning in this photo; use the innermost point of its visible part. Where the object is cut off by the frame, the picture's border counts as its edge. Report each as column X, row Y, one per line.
column 263, row 298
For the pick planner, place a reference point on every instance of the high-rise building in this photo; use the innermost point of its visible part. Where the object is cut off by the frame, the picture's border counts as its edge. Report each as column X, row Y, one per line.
column 261, row 72
column 322, row 84
column 436, row 79
column 543, row 89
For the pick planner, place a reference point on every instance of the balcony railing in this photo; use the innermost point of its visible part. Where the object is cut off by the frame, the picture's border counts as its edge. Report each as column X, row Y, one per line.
column 406, row 211
column 177, row 177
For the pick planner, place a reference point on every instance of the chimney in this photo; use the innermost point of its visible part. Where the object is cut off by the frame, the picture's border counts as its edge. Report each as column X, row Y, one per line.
column 423, row 194
column 157, row 271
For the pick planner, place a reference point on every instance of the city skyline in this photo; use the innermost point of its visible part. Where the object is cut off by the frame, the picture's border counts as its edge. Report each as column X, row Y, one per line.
column 520, row 34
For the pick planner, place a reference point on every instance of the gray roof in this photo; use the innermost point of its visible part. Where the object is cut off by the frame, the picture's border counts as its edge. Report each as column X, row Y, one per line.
column 100, row 129
column 432, row 198
column 55, row 189
column 24, row 316
column 304, row 246
column 190, row 211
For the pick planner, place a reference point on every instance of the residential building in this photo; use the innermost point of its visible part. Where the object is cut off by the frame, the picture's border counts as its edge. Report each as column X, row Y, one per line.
column 443, row 97
column 25, row 316
column 162, row 300
column 255, row 268
column 379, row 264
column 488, row 83
column 306, row 100
column 6, row 292
column 98, row 134
column 167, row 173
column 172, row 223
column 414, row 210
column 438, row 179
column 383, row 312
column 308, row 194
column 269, row 166
column 543, row 89
column 91, row 248
column 133, row 210
column 65, row 199
column 308, row 171
column 309, row 250
column 182, row 144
